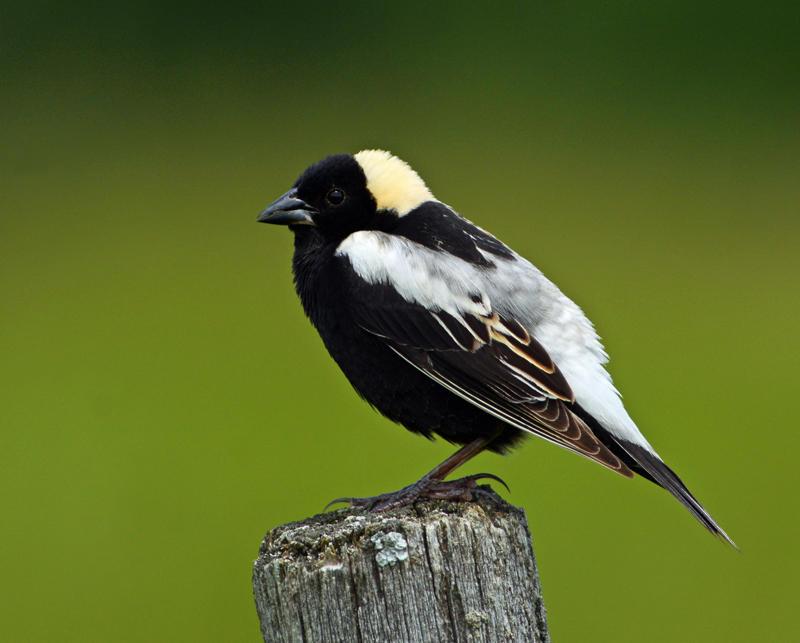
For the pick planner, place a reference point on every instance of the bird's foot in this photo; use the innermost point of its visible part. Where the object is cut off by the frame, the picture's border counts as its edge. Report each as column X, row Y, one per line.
column 460, row 490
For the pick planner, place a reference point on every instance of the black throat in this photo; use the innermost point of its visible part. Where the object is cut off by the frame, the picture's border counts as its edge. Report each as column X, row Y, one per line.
column 314, row 251
column 312, row 266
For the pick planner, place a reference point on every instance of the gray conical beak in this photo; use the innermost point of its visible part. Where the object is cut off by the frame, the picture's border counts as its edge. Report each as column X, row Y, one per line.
column 288, row 210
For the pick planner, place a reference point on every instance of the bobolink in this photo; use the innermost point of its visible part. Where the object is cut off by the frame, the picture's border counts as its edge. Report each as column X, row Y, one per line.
column 446, row 330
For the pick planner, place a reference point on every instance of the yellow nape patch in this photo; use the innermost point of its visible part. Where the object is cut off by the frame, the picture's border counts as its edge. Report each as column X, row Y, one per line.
column 392, row 182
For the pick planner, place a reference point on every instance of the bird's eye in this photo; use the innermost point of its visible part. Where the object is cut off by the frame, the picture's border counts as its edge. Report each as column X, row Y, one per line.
column 335, row 196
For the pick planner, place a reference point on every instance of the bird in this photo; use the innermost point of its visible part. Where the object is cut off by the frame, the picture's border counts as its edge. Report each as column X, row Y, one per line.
column 447, row 331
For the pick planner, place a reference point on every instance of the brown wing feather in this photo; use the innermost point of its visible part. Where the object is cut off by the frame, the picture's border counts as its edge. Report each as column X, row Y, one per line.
column 495, row 363
column 582, row 438
column 548, row 417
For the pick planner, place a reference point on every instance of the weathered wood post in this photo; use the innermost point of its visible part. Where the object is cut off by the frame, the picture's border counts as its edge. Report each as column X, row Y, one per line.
column 437, row 571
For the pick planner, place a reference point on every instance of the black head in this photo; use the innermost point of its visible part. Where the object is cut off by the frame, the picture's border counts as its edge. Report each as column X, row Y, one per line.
column 344, row 193
column 331, row 195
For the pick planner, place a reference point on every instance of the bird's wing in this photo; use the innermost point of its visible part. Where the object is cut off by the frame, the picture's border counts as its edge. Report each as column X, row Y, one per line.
column 434, row 311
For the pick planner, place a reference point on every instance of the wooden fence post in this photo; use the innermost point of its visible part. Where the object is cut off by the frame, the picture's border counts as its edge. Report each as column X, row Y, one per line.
column 437, row 571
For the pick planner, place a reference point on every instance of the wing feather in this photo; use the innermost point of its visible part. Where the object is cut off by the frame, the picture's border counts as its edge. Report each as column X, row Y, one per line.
column 546, row 418
column 492, row 361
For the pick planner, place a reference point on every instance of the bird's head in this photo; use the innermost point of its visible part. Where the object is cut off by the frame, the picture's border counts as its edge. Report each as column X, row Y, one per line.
column 347, row 192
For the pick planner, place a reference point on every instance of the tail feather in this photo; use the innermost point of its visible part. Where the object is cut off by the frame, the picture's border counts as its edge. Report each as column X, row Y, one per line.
column 648, row 465
column 662, row 475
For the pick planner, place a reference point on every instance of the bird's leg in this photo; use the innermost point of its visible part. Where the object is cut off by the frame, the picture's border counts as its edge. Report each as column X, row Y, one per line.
column 433, row 483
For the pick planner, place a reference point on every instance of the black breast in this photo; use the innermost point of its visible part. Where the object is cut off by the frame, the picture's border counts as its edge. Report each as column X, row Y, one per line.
column 386, row 381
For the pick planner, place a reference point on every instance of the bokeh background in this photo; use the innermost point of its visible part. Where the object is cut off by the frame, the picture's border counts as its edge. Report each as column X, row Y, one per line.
column 163, row 401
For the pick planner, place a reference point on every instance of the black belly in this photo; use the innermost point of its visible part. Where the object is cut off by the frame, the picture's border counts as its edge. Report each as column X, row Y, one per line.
column 407, row 396
column 384, row 379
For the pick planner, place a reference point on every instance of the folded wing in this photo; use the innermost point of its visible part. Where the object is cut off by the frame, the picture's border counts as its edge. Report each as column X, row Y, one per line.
column 435, row 315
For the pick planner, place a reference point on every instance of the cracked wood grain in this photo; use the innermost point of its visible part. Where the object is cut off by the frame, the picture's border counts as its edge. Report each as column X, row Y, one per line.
column 462, row 572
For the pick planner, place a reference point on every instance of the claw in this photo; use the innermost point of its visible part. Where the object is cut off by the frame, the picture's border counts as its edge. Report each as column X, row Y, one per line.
column 459, row 489
column 336, row 501
column 490, row 476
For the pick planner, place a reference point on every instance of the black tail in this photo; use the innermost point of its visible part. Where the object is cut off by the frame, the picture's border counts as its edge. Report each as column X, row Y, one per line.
column 650, row 466
column 662, row 475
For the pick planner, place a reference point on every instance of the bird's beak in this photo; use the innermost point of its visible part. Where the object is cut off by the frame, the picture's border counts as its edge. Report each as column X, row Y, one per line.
column 288, row 210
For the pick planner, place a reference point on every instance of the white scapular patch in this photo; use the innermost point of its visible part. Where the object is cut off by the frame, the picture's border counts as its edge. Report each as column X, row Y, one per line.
column 516, row 289
column 435, row 280
column 392, row 181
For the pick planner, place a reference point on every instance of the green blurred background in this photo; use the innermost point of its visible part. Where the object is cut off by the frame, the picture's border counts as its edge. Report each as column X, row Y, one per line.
column 163, row 401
